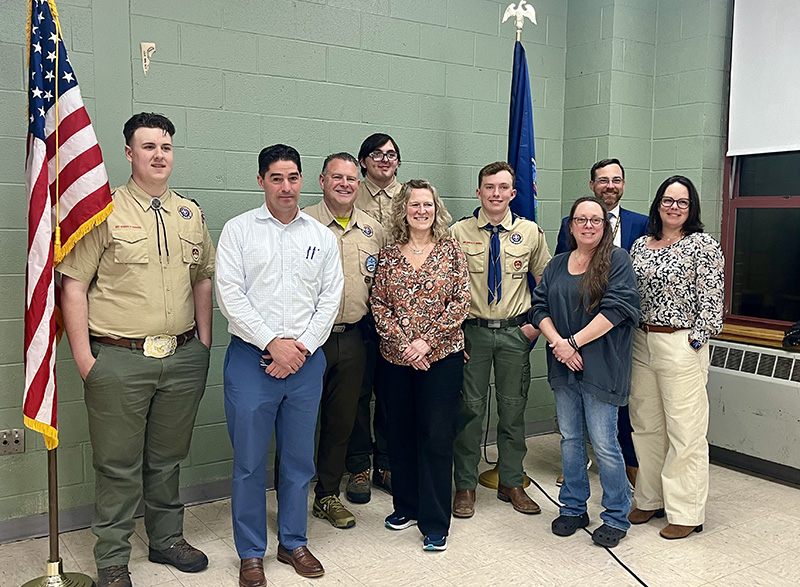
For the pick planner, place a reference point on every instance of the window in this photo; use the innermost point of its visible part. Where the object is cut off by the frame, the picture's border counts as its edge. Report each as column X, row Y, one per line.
column 761, row 236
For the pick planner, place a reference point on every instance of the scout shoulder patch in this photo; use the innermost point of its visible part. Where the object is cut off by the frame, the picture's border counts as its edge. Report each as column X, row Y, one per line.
column 193, row 201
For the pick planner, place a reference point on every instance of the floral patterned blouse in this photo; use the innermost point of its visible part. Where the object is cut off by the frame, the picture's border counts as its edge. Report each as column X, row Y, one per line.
column 681, row 285
column 429, row 303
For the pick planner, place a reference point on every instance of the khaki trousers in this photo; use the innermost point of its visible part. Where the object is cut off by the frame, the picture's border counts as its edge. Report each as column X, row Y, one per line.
column 669, row 414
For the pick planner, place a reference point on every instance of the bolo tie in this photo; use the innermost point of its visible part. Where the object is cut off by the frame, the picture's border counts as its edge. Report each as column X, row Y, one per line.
column 155, row 204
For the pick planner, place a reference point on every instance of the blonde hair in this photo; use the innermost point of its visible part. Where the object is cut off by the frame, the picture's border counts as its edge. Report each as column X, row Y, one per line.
column 399, row 223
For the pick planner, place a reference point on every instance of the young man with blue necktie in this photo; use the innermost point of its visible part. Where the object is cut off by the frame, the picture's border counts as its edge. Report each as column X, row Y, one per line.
column 502, row 251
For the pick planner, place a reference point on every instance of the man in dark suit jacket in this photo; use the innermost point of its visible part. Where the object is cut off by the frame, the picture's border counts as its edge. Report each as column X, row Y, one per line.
column 607, row 181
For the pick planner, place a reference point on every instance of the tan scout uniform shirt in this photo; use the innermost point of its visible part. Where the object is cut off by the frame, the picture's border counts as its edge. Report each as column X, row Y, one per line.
column 377, row 202
column 359, row 245
column 523, row 250
column 134, row 292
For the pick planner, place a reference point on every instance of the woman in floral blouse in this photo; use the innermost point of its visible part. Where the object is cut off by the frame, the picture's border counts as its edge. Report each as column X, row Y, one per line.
column 419, row 300
column 679, row 270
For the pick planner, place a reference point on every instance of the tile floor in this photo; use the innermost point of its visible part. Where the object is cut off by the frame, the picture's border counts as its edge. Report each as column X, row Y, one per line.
column 751, row 538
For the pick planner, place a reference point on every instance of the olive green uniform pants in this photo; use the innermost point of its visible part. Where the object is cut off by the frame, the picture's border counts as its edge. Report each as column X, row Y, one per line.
column 508, row 350
column 141, row 415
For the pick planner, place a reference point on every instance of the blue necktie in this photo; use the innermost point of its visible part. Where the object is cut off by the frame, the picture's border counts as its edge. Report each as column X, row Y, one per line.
column 495, row 275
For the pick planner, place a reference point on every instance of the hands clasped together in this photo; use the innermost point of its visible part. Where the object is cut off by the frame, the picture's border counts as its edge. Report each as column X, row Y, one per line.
column 414, row 354
column 287, row 356
column 564, row 353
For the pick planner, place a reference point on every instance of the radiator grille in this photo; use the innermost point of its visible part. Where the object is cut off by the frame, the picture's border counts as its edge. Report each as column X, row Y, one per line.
column 767, row 363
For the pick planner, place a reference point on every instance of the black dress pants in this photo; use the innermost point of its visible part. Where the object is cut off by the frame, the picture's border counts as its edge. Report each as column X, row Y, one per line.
column 422, row 412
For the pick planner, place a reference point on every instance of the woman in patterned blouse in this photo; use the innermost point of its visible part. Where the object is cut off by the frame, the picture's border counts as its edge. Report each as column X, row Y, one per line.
column 419, row 299
column 679, row 270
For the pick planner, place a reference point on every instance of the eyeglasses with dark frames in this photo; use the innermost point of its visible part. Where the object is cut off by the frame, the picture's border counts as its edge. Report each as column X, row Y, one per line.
column 667, row 202
column 582, row 220
column 379, row 156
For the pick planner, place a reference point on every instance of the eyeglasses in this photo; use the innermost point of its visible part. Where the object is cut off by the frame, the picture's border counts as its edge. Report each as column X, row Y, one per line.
column 379, row 156
column 668, row 202
column 582, row 220
column 606, row 181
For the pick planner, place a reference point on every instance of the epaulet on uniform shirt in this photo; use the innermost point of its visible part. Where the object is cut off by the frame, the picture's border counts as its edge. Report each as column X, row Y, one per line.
column 465, row 218
column 196, row 203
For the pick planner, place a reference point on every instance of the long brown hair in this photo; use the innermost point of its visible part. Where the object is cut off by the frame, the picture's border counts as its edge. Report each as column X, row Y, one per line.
column 593, row 284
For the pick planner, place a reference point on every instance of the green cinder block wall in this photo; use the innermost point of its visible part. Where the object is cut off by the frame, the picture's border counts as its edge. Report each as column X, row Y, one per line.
column 644, row 80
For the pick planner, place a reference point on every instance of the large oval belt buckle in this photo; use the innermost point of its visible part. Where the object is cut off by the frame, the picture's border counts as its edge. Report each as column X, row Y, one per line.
column 160, row 345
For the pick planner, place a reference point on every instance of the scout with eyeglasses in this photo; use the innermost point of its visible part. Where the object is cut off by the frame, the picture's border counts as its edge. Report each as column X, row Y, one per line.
column 379, row 158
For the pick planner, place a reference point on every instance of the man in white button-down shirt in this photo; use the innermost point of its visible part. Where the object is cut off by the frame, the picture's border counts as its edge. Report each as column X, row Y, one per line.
column 279, row 283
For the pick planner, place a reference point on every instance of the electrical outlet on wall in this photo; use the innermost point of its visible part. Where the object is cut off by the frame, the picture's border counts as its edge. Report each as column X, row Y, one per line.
column 12, row 441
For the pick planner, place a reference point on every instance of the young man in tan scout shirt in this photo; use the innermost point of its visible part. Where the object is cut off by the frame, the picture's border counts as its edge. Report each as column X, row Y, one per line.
column 502, row 249
column 379, row 158
column 136, row 298
column 360, row 239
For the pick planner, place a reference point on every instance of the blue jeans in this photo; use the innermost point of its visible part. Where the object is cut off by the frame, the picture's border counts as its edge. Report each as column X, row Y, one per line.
column 579, row 412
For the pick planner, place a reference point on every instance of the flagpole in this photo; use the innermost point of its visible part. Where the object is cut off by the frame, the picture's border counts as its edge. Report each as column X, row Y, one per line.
column 55, row 576
column 521, row 11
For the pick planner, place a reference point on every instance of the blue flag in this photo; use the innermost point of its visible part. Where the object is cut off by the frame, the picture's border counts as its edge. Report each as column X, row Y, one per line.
column 521, row 149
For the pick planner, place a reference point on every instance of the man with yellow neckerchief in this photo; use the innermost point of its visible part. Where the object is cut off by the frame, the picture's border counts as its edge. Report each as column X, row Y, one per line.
column 136, row 299
column 502, row 250
column 360, row 238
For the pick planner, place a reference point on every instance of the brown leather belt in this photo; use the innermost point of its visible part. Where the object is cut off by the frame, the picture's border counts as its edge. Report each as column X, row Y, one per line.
column 654, row 328
column 138, row 343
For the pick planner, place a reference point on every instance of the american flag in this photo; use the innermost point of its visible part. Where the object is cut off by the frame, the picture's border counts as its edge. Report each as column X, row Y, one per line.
column 72, row 175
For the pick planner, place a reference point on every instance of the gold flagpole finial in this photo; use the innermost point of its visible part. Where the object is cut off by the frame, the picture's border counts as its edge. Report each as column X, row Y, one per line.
column 520, row 12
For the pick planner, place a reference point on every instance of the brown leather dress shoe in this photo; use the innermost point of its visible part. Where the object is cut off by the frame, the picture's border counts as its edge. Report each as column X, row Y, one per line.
column 519, row 499
column 464, row 503
column 638, row 516
column 676, row 531
column 251, row 573
column 305, row 564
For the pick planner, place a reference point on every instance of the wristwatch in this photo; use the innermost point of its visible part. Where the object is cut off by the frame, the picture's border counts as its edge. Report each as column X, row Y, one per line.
column 695, row 344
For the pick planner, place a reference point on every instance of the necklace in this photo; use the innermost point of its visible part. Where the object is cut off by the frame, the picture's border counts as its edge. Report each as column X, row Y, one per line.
column 418, row 251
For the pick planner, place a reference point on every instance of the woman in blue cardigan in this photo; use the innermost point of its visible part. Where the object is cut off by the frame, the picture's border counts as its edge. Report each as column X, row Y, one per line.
column 587, row 306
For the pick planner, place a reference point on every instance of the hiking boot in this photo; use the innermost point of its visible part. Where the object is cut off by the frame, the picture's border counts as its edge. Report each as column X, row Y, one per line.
column 181, row 555
column 358, row 489
column 114, row 576
column 382, row 479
